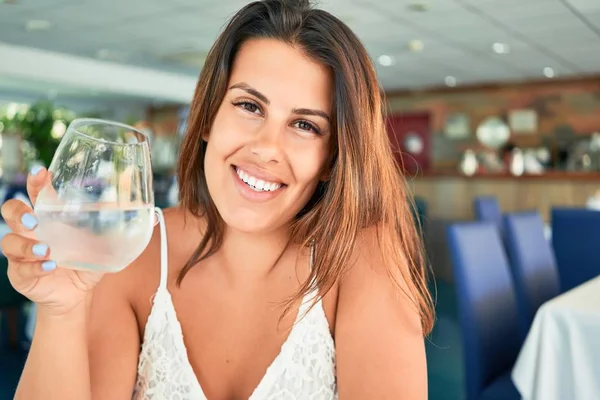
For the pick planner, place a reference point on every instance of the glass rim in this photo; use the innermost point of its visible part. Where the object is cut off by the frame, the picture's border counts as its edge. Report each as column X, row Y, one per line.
column 98, row 121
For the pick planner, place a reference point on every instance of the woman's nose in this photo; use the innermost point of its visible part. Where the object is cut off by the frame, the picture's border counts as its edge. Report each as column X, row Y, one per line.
column 267, row 145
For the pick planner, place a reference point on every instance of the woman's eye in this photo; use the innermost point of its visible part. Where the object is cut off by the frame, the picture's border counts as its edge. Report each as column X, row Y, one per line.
column 248, row 106
column 307, row 126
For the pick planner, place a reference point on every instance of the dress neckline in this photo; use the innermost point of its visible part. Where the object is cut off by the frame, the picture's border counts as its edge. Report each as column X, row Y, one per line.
column 166, row 305
column 284, row 354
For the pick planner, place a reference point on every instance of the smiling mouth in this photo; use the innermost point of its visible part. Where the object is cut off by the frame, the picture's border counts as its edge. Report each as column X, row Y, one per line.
column 258, row 185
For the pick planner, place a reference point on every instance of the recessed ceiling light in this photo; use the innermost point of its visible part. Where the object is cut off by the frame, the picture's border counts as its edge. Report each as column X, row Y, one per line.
column 386, row 60
column 38, row 25
column 450, row 81
column 418, row 6
column 416, row 46
column 501, row 48
column 549, row 72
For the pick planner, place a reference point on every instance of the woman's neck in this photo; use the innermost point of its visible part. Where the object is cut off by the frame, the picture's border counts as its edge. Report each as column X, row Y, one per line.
column 251, row 255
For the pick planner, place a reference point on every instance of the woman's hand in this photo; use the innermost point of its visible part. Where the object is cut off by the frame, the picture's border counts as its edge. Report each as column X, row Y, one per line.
column 31, row 270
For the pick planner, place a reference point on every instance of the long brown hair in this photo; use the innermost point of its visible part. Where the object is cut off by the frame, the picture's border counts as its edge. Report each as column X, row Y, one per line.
column 365, row 189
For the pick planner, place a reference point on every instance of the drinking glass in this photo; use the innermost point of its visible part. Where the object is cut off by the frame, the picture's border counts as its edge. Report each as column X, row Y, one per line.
column 97, row 210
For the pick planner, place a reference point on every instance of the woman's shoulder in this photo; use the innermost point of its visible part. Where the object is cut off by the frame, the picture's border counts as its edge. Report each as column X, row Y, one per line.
column 142, row 276
column 182, row 229
column 141, row 279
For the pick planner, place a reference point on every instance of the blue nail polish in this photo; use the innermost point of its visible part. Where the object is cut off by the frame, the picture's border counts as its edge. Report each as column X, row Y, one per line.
column 29, row 221
column 34, row 171
column 49, row 265
column 40, row 249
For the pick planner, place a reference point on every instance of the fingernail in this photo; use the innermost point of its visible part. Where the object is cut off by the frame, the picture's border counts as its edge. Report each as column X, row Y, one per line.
column 29, row 221
column 49, row 265
column 34, row 171
column 40, row 249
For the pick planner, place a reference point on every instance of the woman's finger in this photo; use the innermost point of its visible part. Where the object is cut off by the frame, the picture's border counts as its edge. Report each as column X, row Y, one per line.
column 20, row 273
column 17, row 247
column 38, row 178
column 19, row 216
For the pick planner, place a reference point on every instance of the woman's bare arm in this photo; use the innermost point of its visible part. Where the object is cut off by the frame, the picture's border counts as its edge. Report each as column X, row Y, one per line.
column 90, row 353
column 57, row 366
column 380, row 348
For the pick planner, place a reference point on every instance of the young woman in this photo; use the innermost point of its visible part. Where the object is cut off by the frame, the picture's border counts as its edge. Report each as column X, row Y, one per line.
column 292, row 270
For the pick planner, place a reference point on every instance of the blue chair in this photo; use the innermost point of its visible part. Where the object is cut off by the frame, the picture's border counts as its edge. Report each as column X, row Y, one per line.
column 532, row 262
column 488, row 310
column 486, row 208
column 576, row 242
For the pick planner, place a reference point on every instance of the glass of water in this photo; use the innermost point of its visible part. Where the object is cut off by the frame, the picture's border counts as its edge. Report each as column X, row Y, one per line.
column 97, row 211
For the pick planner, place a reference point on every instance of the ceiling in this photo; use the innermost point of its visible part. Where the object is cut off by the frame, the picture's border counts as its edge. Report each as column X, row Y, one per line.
column 457, row 36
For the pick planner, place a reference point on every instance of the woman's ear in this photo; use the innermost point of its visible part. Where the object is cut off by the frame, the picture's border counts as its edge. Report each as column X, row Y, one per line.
column 205, row 136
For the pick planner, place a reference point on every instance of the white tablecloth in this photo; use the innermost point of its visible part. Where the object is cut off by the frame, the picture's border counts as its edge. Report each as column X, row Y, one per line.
column 560, row 359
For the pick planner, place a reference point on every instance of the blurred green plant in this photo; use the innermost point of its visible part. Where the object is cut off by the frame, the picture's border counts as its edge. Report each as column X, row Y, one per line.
column 40, row 125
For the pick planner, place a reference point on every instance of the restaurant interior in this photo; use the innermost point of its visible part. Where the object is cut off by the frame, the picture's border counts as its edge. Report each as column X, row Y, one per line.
column 493, row 113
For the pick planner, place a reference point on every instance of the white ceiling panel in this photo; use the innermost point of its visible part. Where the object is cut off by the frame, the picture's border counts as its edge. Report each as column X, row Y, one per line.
column 594, row 17
column 572, row 36
column 435, row 49
column 585, row 6
column 95, row 14
column 477, row 34
column 586, row 58
column 397, row 38
column 352, row 13
column 209, row 8
column 403, row 7
column 434, row 18
column 532, row 63
column 133, row 8
column 550, row 22
column 457, row 34
column 35, row 5
column 410, row 66
column 516, row 9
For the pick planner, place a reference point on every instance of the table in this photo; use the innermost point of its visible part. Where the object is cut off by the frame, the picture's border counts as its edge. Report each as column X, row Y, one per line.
column 560, row 359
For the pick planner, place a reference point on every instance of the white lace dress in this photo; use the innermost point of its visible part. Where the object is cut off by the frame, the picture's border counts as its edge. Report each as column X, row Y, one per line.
column 303, row 370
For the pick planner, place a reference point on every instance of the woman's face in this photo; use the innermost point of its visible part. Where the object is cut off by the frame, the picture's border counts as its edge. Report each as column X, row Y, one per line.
column 270, row 140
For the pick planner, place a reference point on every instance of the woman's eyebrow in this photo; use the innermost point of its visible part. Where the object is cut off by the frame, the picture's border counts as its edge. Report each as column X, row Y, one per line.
column 247, row 88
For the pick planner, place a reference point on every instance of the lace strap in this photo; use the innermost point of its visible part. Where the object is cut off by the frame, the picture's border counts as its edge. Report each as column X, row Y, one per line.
column 164, row 267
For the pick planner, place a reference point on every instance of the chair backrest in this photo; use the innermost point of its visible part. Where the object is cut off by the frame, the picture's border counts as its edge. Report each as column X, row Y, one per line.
column 532, row 263
column 487, row 303
column 576, row 242
column 486, row 208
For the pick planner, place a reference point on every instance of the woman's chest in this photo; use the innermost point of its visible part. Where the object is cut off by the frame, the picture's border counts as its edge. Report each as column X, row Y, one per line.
column 229, row 340
column 231, row 336
column 303, row 366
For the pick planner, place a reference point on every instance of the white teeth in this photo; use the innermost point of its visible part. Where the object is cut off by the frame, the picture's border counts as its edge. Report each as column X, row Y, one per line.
column 257, row 184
